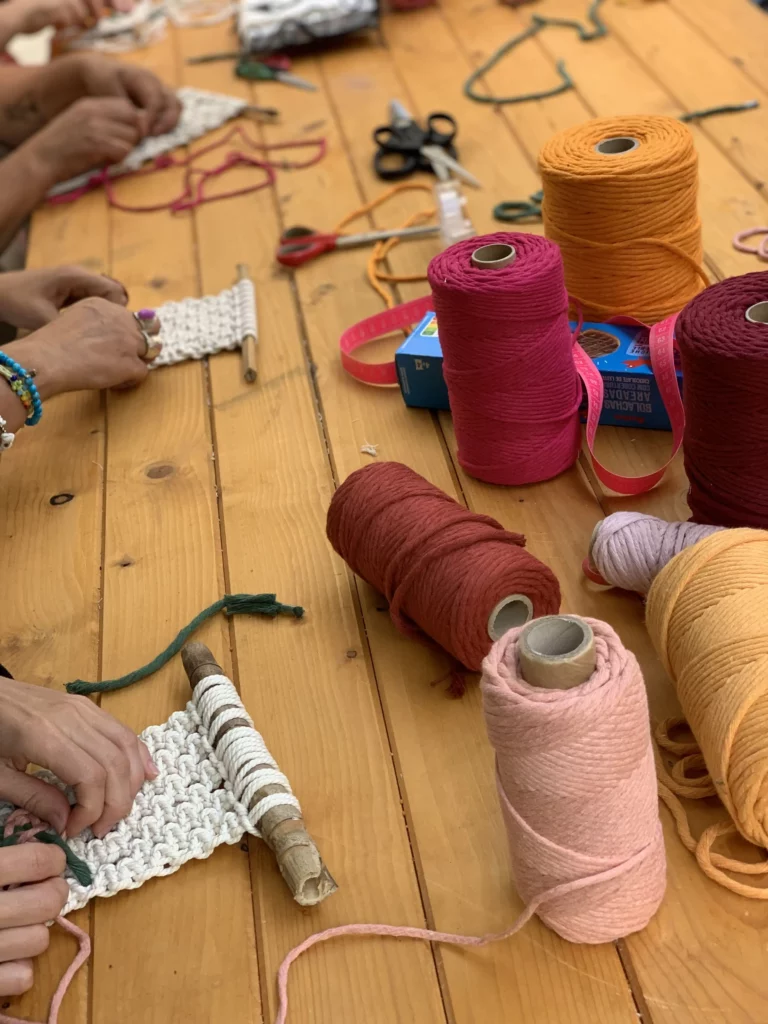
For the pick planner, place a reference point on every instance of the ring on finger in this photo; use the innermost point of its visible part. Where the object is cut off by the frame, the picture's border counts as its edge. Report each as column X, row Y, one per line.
column 149, row 327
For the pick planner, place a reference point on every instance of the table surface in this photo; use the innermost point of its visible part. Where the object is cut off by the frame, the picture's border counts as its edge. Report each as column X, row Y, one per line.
column 198, row 484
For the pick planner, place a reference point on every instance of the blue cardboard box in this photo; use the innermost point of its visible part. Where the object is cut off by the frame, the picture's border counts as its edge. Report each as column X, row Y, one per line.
column 619, row 351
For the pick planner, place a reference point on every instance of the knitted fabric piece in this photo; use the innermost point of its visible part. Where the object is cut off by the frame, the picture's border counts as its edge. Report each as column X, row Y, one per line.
column 194, row 328
column 199, row 800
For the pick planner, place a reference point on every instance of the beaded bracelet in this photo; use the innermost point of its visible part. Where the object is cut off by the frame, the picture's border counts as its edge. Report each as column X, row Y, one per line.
column 22, row 385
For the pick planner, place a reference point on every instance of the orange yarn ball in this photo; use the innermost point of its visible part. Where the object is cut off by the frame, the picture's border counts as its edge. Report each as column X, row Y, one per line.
column 625, row 219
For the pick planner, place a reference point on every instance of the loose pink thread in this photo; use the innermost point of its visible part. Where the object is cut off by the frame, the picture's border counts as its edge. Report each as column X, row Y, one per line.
column 577, row 783
column 22, row 817
column 195, row 178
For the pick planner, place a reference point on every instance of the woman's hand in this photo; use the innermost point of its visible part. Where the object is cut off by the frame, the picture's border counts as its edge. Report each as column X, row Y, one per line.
column 91, row 133
column 32, row 298
column 101, row 759
column 104, row 77
column 36, row 869
column 92, row 345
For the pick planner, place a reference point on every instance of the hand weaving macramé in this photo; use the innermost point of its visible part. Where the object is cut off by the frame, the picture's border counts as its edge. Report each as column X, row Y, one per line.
column 201, row 112
column 217, row 782
column 194, row 328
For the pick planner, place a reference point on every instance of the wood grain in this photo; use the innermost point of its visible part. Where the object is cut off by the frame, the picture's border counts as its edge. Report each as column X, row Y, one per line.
column 51, row 512
column 308, row 685
column 202, row 483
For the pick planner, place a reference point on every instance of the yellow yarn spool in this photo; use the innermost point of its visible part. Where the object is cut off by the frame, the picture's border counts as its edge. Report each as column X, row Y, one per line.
column 620, row 197
column 707, row 614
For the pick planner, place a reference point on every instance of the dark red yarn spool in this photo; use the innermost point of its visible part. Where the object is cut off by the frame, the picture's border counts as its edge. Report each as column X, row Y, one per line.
column 725, row 391
column 442, row 568
column 508, row 359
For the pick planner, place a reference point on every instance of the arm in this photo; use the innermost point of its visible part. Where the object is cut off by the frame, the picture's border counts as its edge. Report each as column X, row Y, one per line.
column 23, row 185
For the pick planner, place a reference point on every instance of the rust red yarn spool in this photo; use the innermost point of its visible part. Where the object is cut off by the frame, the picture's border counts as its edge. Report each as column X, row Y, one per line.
column 446, row 572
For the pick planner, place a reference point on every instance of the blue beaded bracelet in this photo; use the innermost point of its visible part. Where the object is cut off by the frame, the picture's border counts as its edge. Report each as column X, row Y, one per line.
column 20, row 374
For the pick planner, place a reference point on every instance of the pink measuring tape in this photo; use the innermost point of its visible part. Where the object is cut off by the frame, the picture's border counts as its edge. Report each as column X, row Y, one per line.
column 660, row 343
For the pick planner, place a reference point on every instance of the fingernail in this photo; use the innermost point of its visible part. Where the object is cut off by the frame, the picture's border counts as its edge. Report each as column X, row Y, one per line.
column 152, row 770
column 146, row 314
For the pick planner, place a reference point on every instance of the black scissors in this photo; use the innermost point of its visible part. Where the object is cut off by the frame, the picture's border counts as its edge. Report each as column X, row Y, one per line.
column 401, row 146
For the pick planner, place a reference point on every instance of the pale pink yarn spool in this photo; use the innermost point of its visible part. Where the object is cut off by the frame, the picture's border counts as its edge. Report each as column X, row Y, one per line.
column 577, row 784
column 629, row 549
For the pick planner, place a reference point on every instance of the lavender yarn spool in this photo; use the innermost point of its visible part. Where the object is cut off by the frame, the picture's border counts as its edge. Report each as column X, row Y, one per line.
column 629, row 549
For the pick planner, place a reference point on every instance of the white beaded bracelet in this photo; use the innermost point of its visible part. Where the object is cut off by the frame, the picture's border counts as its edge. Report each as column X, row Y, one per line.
column 6, row 439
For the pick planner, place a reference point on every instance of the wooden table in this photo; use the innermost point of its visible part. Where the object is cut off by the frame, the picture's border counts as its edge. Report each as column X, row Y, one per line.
column 198, row 484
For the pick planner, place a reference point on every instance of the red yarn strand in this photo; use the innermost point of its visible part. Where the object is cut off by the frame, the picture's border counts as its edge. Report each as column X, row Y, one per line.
column 195, row 178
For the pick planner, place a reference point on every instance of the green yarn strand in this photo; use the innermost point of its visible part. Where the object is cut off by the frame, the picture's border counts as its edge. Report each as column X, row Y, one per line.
column 230, row 604
column 78, row 867
column 595, row 29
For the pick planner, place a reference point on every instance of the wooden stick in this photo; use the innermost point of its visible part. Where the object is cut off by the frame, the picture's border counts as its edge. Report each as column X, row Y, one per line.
column 282, row 827
column 248, row 346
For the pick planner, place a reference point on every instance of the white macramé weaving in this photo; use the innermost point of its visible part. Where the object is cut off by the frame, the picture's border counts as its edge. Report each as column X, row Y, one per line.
column 201, row 112
column 194, row 328
column 199, row 800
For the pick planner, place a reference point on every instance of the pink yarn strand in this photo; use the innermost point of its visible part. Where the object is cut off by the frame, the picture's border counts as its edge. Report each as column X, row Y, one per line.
column 84, row 951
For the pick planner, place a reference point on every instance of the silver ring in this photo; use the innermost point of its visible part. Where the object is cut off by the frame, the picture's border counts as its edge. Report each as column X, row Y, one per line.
column 152, row 346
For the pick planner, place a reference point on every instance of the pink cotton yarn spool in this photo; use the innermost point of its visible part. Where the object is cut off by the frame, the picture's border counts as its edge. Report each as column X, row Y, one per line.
column 577, row 783
column 629, row 549
column 576, row 777
column 508, row 359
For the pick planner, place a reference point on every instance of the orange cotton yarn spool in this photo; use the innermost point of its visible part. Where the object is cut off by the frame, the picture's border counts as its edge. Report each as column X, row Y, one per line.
column 620, row 198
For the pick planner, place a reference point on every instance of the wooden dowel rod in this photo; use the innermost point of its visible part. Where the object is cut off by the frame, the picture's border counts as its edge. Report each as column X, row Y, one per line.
column 281, row 827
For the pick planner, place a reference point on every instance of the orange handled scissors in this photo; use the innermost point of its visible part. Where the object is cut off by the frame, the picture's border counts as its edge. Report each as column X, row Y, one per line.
column 300, row 244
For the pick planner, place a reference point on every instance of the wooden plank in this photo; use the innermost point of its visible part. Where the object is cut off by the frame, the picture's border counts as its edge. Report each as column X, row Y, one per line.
column 649, row 952
column 738, row 31
column 310, row 686
column 679, row 961
column 439, row 745
column 657, row 35
column 180, row 947
column 51, row 575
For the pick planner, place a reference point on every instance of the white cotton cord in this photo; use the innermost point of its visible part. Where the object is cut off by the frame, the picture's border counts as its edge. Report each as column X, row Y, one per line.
column 195, row 328
column 247, row 762
column 199, row 13
column 246, row 302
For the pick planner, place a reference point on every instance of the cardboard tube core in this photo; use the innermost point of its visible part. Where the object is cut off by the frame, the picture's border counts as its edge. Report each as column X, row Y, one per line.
column 757, row 313
column 493, row 256
column 616, row 145
column 557, row 652
column 511, row 611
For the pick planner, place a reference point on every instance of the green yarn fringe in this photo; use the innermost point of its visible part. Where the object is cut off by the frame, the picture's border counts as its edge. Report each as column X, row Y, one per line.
column 78, row 867
column 230, row 604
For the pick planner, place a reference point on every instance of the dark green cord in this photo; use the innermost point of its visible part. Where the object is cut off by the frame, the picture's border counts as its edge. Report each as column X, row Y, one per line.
column 725, row 108
column 538, row 22
column 230, row 604
column 78, row 867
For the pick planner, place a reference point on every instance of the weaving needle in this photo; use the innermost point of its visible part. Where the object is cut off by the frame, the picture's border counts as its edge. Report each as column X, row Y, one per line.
column 249, row 344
